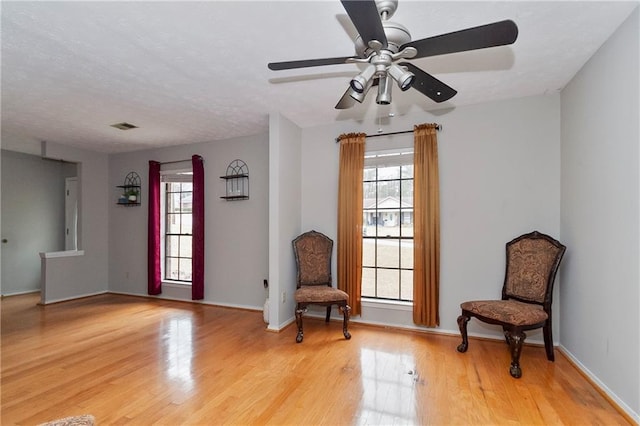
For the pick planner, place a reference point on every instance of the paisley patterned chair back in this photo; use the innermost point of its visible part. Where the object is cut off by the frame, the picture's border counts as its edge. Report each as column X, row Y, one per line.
column 532, row 262
column 313, row 256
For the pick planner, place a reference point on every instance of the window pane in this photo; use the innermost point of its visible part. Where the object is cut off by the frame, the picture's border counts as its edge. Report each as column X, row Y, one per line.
column 368, row 252
column 407, row 171
column 369, row 195
column 388, row 283
column 171, row 268
column 371, row 222
column 391, row 220
column 173, row 202
column 388, row 255
column 173, row 224
column 388, row 189
column 368, row 282
column 406, row 254
column 186, row 224
column 389, row 172
column 406, row 285
column 369, row 174
column 186, row 186
column 173, row 186
column 185, row 247
column 185, row 270
column 407, row 194
column 172, row 246
column 407, row 230
column 186, row 202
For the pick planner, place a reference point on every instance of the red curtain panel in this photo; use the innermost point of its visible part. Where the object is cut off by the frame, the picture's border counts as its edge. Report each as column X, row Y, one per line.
column 153, row 233
column 197, row 284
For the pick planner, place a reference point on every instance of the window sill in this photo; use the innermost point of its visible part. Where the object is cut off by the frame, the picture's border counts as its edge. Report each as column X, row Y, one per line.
column 68, row 253
column 387, row 304
column 176, row 284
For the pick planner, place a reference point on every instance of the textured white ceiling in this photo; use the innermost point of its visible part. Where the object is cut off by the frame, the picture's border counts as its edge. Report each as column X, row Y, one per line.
column 188, row 72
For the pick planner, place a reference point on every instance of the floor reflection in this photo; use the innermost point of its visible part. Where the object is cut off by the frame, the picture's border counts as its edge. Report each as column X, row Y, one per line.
column 178, row 346
column 388, row 382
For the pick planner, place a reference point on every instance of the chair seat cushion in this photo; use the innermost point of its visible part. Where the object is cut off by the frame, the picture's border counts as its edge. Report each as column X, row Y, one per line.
column 319, row 294
column 507, row 311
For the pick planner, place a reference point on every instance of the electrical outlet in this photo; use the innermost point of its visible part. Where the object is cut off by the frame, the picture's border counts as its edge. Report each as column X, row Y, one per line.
column 284, row 297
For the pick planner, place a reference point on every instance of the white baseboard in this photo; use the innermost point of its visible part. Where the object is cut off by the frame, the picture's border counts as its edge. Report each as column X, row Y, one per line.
column 281, row 326
column 18, row 293
column 603, row 387
column 413, row 327
column 202, row 302
column 66, row 299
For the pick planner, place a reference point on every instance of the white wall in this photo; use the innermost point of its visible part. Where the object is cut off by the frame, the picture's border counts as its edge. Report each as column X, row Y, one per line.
column 236, row 232
column 284, row 217
column 599, row 216
column 33, row 217
column 499, row 178
column 87, row 274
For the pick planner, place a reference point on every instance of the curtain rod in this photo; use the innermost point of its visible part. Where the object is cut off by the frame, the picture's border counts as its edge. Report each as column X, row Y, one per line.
column 438, row 127
column 175, row 161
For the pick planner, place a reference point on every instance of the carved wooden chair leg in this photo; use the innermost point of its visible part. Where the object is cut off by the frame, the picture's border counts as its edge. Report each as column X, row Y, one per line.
column 504, row 332
column 548, row 341
column 328, row 314
column 462, row 324
column 299, row 312
column 515, row 339
column 345, row 324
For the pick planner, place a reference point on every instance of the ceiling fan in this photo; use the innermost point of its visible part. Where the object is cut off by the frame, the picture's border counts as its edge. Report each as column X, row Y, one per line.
column 381, row 43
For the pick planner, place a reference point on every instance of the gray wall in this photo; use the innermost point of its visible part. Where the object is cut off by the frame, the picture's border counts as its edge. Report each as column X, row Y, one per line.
column 236, row 232
column 284, row 216
column 599, row 221
column 32, row 216
column 499, row 178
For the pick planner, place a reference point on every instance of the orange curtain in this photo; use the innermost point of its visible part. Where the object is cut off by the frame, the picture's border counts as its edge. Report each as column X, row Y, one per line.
column 350, row 217
column 426, row 226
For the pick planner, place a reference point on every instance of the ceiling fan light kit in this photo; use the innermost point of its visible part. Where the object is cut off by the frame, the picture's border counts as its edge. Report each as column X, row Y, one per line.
column 360, row 82
column 384, row 91
column 381, row 43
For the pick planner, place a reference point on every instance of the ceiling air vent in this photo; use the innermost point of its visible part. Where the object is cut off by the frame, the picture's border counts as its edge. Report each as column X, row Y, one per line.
column 124, row 126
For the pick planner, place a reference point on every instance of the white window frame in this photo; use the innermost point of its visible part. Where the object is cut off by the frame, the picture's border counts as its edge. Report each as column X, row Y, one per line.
column 177, row 175
column 388, row 158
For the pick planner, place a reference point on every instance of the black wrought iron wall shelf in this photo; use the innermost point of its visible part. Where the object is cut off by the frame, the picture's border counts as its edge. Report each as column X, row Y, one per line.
column 236, row 181
column 130, row 191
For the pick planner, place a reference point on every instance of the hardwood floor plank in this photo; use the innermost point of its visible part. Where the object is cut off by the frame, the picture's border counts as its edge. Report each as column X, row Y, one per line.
column 136, row 361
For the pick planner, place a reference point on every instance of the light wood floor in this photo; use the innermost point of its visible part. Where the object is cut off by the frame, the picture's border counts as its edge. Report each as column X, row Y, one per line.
column 129, row 360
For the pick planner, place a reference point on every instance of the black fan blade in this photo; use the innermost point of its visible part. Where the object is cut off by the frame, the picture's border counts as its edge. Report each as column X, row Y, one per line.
column 277, row 66
column 490, row 35
column 366, row 19
column 428, row 85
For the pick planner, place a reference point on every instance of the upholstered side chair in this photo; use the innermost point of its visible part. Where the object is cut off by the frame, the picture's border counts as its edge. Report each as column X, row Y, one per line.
column 532, row 263
column 312, row 252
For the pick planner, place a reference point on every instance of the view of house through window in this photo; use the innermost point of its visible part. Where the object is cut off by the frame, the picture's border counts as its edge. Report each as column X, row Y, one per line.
column 177, row 224
column 387, row 231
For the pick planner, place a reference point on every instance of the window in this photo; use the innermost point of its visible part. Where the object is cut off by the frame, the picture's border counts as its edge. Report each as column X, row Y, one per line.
column 176, row 227
column 387, row 231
